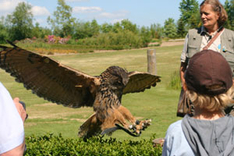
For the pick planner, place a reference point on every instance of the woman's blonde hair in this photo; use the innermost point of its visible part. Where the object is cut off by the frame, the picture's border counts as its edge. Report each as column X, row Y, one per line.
column 217, row 7
column 211, row 103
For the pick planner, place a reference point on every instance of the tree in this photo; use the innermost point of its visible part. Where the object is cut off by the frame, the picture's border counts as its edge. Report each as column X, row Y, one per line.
column 3, row 31
column 229, row 7
column 105, row 28
column 128, row 25
column 189, row 14
column 79, row 31
column 181, row 28
column 145, row 36
column 95, row 28
column 40, row 32
column 170, row 28
column 117, row 27
column 63, row 22
column 85, row 29
column 156, row 31
column 21, row 22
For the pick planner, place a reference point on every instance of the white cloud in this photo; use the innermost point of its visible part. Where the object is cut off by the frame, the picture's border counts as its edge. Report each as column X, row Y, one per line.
column 114, row 15
column 40, row 11
column 86, row 9
column 7, row 6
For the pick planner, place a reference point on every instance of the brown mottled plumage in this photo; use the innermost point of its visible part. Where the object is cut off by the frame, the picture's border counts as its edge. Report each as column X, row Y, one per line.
column 71, row 88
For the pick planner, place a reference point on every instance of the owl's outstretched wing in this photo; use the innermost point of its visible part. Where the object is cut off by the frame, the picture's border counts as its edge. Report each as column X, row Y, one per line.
column 49, row 79
column 139, row 81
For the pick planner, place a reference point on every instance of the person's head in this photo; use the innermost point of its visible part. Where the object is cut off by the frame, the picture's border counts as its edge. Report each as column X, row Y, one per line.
column 212, row 14
column 209, row 81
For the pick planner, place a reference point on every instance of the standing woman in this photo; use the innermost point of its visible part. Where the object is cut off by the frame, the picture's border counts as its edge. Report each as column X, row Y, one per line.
column 211, row 35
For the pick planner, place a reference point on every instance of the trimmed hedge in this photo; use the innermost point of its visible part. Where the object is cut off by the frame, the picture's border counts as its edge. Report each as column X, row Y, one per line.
column 52, row 145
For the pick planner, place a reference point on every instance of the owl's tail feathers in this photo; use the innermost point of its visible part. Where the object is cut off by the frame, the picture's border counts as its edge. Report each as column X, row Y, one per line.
column 90, row 127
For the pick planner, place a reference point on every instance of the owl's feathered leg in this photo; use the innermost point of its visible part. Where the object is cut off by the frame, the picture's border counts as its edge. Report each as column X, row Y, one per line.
column 94, row 126
column 118, row 120
column 115, row 116
column 137, row 126
column 127, row 114
column 91, row 127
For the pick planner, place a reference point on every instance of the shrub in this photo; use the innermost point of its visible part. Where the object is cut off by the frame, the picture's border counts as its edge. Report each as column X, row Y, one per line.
column 57, row 39
column 116, row 41
column 50, row 144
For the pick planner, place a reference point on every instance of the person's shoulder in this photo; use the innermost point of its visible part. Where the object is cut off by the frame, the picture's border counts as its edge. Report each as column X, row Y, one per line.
column 229, row 117
column 1, row 84
column 175, row 127
column 226, row 29
column 195, row 30
column 2, row 88
column 229, row 31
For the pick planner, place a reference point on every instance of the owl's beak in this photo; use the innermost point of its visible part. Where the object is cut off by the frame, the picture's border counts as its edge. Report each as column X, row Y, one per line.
column 125, row 81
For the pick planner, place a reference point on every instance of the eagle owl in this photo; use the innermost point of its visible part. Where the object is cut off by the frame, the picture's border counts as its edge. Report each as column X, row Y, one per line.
column 60, row 84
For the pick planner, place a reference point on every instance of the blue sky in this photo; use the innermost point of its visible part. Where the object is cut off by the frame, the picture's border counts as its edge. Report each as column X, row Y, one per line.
column 140, row 12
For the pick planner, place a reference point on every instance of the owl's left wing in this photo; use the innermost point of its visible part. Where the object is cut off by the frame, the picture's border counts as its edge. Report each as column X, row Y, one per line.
column 48, row 78
column 139, row 81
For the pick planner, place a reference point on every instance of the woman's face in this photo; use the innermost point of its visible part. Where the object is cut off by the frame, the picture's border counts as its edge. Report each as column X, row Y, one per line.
column 209, row 18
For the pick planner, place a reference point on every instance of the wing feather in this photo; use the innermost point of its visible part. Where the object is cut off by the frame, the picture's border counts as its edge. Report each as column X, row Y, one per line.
column 139, row 81
column 49, row 79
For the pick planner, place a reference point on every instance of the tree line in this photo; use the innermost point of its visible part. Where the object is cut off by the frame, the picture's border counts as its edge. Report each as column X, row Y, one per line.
column 19, row 25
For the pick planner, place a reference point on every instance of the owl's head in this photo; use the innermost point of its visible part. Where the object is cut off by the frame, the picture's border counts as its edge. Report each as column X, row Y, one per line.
column 115, row 77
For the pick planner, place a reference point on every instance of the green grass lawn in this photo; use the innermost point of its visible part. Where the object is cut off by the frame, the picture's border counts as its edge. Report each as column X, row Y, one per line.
column 158, row 103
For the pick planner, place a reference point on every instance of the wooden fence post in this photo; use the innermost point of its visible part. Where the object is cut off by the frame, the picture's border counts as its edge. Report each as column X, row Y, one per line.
column 151, row 57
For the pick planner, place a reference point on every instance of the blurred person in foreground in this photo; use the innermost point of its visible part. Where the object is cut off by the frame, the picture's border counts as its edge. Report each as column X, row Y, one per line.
column 211, row 35
column 209, row 132
column 12, row 117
